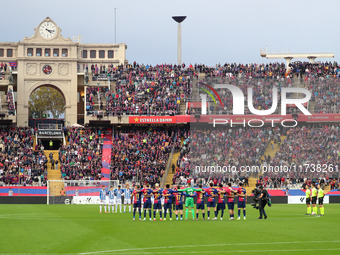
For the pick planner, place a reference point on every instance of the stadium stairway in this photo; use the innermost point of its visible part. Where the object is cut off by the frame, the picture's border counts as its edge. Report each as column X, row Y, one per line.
column 54, row 174
column 252, row 183
column 170, row 174
column 106, row 156
column 173, row 161
column 273, row 148
column 182, row 107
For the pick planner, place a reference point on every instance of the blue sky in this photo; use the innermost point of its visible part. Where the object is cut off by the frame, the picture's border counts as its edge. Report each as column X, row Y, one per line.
column 215, row 31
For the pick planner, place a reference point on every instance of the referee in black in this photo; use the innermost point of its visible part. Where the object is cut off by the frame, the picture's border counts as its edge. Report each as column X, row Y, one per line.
column 263, row 198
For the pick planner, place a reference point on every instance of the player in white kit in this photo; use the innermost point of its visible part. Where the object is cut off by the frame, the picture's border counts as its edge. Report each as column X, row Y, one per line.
column 127, row 197
column 102, row 197
column 111, row 195
column 118, row 193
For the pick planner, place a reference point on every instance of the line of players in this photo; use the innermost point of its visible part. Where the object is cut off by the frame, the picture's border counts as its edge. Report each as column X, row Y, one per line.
column 115, row 197
column 162, row 201
column 312, row 195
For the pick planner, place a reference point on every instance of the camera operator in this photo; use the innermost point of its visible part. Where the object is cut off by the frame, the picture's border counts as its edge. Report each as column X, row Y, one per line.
column 256, row 192
column 263, row 199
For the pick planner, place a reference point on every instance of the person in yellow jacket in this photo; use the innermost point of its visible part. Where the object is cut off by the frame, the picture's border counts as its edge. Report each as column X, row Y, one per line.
column 321, row 195
column 308, row 200
column 314, row 198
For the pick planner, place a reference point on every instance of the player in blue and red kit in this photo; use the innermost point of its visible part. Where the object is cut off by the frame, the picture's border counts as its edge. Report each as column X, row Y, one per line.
column 211, row 193
column 137, row 196
column 221, row 201
column 179, row 198
column 242, row 200
column 147, row 194
column 167, row 194
column 157, row 204
column 230, row 195
column 200, row 202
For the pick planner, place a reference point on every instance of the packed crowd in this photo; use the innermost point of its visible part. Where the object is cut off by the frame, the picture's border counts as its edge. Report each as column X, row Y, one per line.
column 310, row 152
column 81, row 159
column 19, row 161
column 95, row 100
column 160, row 89
column 334, row 184
column 142, row 155
column 295, row 182
column 325, row 93
column 322, row 79
column 319, row 69
column 142, row 90
column 221, row 147
column 262, row 92
column 310, row 144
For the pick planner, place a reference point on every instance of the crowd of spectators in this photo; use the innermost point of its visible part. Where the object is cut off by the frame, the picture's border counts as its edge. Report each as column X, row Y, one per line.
column 322, row 79
column 160, row 89
column 143, row 90
column 230, row 148
column 296, row 182
column 19, row 161
column 95, row 99
column 334, row 184
column 262, row 92
column 81, row 159
column 325, row 93
column 305, row 146
column 310, row 153
column 310, row 144
column 142, row 155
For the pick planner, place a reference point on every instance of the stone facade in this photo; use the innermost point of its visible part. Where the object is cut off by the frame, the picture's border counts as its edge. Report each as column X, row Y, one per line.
column 48, row 58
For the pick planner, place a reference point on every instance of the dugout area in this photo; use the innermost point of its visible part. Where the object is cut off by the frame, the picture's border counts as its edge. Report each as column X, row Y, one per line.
column 56, row 143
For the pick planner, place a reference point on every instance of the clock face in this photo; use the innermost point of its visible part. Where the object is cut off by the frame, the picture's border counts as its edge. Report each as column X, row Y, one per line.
column 48, row 30
column 47, row 69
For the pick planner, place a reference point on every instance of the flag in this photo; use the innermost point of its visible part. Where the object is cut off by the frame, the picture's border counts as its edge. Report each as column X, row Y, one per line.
column 12, row 64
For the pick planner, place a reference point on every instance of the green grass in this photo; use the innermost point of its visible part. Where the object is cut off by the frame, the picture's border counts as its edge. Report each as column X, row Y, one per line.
column 81, row 229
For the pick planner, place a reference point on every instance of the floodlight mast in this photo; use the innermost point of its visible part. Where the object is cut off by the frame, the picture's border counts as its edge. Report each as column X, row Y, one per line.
column 179, row 20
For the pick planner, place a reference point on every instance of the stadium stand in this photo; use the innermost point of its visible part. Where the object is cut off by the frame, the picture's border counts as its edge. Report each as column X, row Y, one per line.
column 81, row 158
column 142, row 90
column 19, row 160
column 160, row 90
column 142, row 153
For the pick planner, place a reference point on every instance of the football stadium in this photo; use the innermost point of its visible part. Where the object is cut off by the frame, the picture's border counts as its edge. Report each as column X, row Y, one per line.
column 167, row 154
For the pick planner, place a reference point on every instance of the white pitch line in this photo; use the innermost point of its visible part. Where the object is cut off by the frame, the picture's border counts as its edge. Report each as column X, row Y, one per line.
column 11, row 214
column 54, row 219
column 206, row 245
column 240, row 251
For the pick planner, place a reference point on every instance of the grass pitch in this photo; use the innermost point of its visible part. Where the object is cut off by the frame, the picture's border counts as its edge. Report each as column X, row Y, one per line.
column 80, row 229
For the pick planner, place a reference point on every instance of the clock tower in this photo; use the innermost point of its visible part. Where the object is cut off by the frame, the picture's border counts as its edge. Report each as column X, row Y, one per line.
column 47, row 58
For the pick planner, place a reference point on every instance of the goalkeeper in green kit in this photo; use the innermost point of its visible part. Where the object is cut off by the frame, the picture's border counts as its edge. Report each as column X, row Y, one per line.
column 189, row 201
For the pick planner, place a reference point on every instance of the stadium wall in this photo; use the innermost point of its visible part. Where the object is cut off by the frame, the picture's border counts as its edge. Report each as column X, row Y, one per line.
column 334, row 199
column 24, row 200
column 68, row 200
